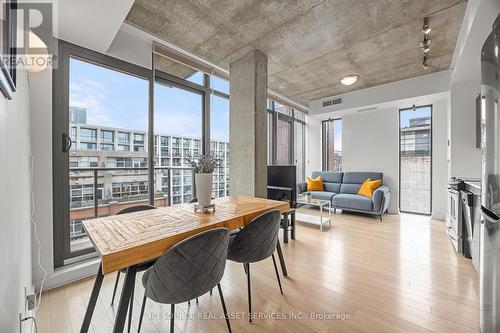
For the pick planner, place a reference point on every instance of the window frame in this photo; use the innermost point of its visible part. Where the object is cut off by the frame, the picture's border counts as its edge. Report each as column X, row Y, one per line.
column 324, row 143
column 60, row 127
column 431, row 154
column 60, row 122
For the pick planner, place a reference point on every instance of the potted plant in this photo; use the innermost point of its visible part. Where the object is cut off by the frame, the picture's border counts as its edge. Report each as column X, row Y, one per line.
column 203, row 168
column 308, row 196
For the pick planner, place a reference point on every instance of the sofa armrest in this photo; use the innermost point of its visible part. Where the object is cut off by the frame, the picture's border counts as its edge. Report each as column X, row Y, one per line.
column 301, row 187
column 381, row 198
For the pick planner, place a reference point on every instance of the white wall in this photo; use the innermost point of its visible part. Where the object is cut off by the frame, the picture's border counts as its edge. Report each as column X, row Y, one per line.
column 15, row 207
column 370, row 143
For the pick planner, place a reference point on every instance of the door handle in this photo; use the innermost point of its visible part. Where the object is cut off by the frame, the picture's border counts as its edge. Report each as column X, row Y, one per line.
column 66, row 142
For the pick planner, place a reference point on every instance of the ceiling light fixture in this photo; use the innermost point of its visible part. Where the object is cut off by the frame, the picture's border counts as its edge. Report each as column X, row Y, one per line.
column 349, row 80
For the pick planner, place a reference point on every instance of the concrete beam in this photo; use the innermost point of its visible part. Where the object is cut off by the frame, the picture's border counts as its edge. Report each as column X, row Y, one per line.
column 248, row 125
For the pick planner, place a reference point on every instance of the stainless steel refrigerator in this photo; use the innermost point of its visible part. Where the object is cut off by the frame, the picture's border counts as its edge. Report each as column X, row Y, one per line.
column 489, row 267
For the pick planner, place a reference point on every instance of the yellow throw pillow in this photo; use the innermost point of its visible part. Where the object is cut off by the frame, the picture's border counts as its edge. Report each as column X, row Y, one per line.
column 369, row 186
column 314, row 184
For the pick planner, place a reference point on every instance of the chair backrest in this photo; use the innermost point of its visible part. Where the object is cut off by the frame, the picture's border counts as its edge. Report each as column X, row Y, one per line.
column 133, row 209
column 257, row 240
column 189, row 269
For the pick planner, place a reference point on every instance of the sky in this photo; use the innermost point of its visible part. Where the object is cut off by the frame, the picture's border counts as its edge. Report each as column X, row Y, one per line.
column 408, row 114
column 120, row 100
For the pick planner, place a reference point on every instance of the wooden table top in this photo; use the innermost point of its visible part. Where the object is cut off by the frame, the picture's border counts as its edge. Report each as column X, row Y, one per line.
column 129, row 239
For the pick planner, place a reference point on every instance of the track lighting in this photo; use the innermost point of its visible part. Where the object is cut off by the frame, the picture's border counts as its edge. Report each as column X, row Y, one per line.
column 426, row 29
column 425, row 45
column 425, row 65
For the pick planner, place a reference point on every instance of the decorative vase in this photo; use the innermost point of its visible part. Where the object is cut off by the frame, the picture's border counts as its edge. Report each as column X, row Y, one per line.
column 308, row 197
column 203, row 182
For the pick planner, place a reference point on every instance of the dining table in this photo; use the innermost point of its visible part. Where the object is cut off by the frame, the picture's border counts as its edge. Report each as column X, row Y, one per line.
column 127, row 240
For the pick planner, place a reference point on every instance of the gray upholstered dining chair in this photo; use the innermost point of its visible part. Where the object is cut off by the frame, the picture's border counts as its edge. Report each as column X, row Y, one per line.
column 188, row 270
column 256, row 242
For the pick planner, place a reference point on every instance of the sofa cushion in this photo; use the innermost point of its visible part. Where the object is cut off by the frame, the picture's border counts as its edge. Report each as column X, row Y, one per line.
column 322, row 195
column 353, row 201
column 360, row 177
column 352, row 180
column 315, row 184
column 328, row 177
column 350, row 188
column 332, row 187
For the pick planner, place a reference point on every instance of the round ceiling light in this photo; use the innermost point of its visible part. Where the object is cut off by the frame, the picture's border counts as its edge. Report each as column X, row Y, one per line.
column 349, row 79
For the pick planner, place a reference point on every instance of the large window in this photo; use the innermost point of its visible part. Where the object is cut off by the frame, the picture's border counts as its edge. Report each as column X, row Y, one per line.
column 332, row 145
column 286, row 137
column 415, row 160
column 219, row 134
column 100, row 104
column 178, row 120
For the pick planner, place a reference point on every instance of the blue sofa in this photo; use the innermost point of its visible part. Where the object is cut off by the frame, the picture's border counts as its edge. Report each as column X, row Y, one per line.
column 341, row 189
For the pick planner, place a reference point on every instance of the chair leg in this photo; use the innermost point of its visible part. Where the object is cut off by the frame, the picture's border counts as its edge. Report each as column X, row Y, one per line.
column 172, row 325
column 197, row 302
column 210, row 292
column 249, row 294
column 142, row 313
column 130, row 307
column 281, row 258
column 224, row 307
column 245, row 268
column 380, row 217
column 116, row 286
column 277, row 273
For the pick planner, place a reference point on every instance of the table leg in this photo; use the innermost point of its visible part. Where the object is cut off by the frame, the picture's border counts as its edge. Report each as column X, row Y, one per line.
column 293, row 225
column 92, row 300
column 285, row 228
column 321, row 218
column 124, row 300
column 329, row 215
column 282, row 259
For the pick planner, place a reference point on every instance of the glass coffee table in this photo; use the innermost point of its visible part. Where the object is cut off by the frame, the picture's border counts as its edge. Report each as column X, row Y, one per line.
column 314, row 219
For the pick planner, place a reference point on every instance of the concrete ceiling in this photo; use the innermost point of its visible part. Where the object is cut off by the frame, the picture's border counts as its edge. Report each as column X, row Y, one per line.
column 311, row 44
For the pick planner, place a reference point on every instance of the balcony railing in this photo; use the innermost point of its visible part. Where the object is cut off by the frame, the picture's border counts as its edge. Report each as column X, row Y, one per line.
column 129, row 172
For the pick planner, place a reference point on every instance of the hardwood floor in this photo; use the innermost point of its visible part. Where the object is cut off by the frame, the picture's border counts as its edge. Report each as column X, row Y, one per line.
column 401, row 275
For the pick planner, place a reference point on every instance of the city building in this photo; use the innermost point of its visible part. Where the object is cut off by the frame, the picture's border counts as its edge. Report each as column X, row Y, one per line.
column 77, row 115
column 123, row 155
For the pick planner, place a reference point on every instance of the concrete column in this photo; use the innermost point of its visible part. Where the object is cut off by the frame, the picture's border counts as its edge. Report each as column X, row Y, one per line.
column 248, row 125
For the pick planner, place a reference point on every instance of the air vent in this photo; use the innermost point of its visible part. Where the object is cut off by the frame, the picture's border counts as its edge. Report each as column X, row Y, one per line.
column 368, row 109
column 332, row 102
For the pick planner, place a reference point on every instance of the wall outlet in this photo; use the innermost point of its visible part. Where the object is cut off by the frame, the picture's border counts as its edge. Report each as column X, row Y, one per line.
column 30, row 301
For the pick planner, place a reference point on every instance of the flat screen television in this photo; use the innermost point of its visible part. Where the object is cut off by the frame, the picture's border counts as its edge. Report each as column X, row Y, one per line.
column 282, row 183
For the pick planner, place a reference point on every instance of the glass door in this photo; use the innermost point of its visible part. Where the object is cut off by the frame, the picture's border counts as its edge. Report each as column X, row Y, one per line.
column 107, row 158
column 284, row 140
column 415, row 160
